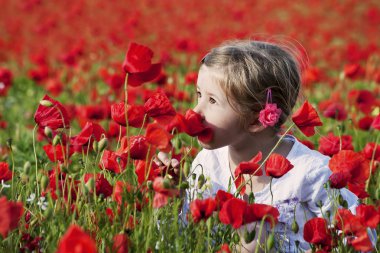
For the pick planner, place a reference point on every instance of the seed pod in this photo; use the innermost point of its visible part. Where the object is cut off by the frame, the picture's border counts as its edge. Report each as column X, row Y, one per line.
column 90, row 185
column 236, row 238
column 201, row 180
column 102, row 144
column 251, row 198
column 270, row 242
column 184, row 185
column 44, row 182
column 56, row 140
column 95, row 146
column 340, row 200
column 46, row 103
column 186, row 169
column 48, row 132
column 249, row 236
column 166, row 183
column 24, row 178
column 27, row 166
column 149, row 184
column 295, row 227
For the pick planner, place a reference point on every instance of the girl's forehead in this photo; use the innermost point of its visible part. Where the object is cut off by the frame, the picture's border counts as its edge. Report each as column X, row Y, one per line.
column 210, row 73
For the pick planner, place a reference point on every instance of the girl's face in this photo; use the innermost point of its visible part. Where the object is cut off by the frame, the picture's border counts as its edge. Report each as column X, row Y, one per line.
column 216, row 112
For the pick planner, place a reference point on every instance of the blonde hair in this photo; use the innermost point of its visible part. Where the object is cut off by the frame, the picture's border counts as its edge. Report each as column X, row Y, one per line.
column 249, row 69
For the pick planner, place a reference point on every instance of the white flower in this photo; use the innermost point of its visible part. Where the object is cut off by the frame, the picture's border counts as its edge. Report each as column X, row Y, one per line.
column 31, row 198
column 4, row 185
column 42, row 204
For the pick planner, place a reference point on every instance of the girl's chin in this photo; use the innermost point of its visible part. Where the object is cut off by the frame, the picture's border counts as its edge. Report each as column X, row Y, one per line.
column 206, row 145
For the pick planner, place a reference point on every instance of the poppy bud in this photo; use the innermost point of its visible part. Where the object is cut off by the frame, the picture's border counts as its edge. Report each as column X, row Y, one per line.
column 48, row 132
column 26, row 167
column 209, row 223
column 44, row 182
column 9, row 143
column 201, row 180
column 149, row 184
column 249, row 236
column 75, row 168
column 328, row 213
column 102, row 144
column 378, row 194
column 236, row 238
column 295, row 227
column 319, row 203
column 95, row 146
column 90, row 184
column 345, row 204
column 184, row 185
column 270, row 242
column 24, row 178
column 46, row 103
column 166, row 183
column 251, row 198
column 186, row 169
column 193, row 176
column 48, row 212
column 56, row 140
column 340, row 200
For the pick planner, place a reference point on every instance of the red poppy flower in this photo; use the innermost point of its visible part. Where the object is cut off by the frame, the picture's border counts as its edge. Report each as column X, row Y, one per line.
column 120, row 243
column 202, row 209
column 5, row 172
column 146, row 171
column 102, row 186
column 370, row 152
column 232, row 212
column 352, row 163
column 347, row 222
column 6, row 80
column 10, row 215
column 157, row 136
column 376, row 123
column 316, row 232
column 256, row 212
column 57, row 153
column 277, row 166
column 224, row 249
column 90, row 132
column 178, row 123
column 353, row 71
column 331, row 144
column 75, row 238
column 369, row 215
column 39, row 73
column 310, row 76
column 162, row 192
column 339, row 179
column 364, row 100
column 194, row 127
column 112, row 162
column 137, row 147
column 136, row 114
column 54, row 116
column 361, row 242
column 138, row 64
column 136, row 79
column 306, row 118
column 159, row 107
column 358, row 189
column 221, row 197
column 335, row 111
column 250, row 167
column 365, row 123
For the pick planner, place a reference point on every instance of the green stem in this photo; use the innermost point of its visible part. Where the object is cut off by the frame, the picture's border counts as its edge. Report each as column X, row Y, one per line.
column 35, row 156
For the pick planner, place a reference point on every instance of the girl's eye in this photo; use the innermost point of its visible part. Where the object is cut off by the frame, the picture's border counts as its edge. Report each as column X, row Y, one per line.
column 212, row 101
column 199, row 94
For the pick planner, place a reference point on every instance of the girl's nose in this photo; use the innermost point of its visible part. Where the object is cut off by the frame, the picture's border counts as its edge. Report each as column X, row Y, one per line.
column 198, row 109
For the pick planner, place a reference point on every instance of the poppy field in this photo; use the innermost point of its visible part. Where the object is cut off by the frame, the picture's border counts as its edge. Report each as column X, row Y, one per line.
column 91, row 91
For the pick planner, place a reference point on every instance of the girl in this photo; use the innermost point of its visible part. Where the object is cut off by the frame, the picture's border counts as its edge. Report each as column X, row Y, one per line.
column 237, row 83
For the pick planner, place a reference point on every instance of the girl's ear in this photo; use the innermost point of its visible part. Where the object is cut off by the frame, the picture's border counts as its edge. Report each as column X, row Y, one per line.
column 255, row 126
